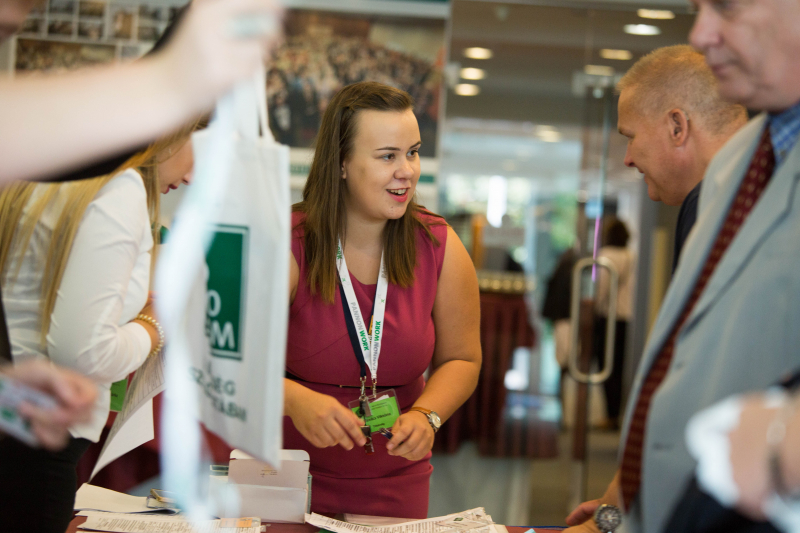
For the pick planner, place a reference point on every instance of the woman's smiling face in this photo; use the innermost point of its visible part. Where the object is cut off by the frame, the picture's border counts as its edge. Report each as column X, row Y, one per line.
column 382, row 169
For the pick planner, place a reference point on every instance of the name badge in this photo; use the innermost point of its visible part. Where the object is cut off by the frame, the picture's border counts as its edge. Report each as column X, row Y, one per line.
column 118, row 390
column 383, row 407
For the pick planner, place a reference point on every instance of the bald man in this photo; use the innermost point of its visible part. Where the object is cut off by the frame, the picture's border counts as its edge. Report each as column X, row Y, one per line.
column 671, row 111
column 675, row 121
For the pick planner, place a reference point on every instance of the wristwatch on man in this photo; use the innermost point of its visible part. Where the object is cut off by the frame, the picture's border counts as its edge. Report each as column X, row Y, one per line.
column 433, row 418
column 607, row 518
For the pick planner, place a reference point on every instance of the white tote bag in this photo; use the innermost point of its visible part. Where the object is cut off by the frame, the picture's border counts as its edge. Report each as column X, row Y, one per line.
column 240, row 377
column 223, row 293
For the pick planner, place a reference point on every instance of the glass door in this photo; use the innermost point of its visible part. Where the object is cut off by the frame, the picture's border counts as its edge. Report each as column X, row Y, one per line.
column 531, row 175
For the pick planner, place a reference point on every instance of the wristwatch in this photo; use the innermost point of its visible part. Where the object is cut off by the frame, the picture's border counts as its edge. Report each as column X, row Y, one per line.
column 608, row 518
column 433, row 418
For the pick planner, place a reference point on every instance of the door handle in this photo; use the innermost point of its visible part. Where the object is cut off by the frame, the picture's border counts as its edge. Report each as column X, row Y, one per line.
column 608, row 360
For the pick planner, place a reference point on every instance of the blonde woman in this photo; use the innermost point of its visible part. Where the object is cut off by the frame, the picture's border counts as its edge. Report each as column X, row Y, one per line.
column 75, row 260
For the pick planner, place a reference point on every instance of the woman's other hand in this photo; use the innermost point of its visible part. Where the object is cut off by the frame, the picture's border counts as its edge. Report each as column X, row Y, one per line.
column 412, row 436
column 149, row 308
column 219, row 43
column 75, row 395
column 321, row 419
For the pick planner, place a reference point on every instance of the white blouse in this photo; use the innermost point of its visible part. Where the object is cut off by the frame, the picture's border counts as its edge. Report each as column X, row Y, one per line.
column 104, row 287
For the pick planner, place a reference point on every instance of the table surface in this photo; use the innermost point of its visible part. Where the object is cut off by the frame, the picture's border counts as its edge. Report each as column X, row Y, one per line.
column 306, row 528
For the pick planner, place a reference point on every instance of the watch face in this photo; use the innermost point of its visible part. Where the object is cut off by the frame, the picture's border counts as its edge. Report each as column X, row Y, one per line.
column 607, row 517
column 436, row 419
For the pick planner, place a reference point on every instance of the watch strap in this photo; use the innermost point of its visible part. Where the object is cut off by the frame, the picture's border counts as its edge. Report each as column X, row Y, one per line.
column 429, row 415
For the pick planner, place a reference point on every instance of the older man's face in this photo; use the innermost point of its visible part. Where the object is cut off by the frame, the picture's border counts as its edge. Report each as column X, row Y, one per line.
column 650, row 152
column 753, row 47
column 12, row 14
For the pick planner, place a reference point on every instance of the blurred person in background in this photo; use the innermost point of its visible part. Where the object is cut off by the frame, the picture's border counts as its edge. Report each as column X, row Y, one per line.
column 675, row 121
column 615, row 249
column 556, row 308
column 75, row 260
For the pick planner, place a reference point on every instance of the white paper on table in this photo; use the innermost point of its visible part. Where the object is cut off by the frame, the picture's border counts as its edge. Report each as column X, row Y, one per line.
column 134, row 423
column 369, row 520
column 477, row 521
column 92, row 498
column 133, row 523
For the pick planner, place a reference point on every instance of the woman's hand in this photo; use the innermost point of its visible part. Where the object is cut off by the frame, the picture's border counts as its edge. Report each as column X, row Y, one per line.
column 75, row 396
column 321, row 419
column 750, row 453
column 206, row 56
column 149, row 308
column 412, row 436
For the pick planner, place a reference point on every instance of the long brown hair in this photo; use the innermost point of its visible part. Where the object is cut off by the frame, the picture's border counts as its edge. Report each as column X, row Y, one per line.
column 17, row 226
column 324, row 193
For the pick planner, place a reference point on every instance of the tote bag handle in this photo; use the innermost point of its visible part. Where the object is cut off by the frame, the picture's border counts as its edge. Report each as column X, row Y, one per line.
column 250, row 97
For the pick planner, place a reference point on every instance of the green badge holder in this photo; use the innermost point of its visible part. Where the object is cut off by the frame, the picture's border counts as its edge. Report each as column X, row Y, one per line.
column 384, row 407
column 118, row 391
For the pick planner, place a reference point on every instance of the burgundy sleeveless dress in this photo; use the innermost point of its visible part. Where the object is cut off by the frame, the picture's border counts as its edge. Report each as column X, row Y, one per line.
column 320, row 355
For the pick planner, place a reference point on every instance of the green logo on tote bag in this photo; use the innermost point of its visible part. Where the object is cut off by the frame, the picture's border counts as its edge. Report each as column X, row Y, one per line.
column 227, row 289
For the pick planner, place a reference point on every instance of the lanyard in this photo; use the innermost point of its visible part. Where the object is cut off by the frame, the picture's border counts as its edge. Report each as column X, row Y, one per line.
column 367, row 346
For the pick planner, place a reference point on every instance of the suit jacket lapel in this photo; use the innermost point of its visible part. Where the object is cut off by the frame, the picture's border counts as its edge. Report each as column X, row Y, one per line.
column 720, row 184
column 771, row 208
column 726, row 179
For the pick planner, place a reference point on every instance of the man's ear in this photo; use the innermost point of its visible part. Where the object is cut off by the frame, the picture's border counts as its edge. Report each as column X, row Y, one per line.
column 678, row 126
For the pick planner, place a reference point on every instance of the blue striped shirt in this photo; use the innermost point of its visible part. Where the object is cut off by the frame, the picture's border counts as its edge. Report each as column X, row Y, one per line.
column 784, row 128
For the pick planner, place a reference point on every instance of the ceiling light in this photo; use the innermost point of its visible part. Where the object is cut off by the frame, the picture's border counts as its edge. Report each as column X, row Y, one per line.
column 622, row 55
column 642, row 29
column 550, row 136
column 477, row 52
column 467, row 89
column 660, row 14
column 598, row 70
column 473, row 73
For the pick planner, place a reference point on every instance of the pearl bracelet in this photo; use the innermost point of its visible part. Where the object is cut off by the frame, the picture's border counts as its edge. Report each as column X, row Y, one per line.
column 153, row 322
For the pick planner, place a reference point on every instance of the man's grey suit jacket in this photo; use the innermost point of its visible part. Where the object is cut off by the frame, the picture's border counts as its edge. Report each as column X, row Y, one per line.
column 744, row 332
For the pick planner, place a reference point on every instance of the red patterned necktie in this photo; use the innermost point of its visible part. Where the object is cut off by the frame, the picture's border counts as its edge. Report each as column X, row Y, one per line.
column 750, row 190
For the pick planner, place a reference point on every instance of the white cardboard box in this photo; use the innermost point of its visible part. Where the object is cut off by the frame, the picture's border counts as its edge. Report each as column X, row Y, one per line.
column 253, row 488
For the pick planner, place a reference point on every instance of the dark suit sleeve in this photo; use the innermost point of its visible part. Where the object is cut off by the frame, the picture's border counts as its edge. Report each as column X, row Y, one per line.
column 686, row 219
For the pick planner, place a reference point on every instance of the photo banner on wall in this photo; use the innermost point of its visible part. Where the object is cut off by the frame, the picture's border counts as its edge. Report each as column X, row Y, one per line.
column 323, row 51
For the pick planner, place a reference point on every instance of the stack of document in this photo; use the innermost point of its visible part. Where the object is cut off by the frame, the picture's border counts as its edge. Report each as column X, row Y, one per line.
column 108, row 510
column 137, row 523
column 472, row 521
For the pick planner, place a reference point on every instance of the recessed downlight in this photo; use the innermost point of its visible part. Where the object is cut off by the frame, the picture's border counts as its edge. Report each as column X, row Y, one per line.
column 473, row 73
column 658, row 14
column 476, row 52
column 467, row 89
column 622, row 55
column 598, row 70
column 642, row 29
column 550, row 136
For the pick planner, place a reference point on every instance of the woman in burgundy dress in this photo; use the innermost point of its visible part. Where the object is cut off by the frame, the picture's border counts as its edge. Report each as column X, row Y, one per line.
column 356, row 329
